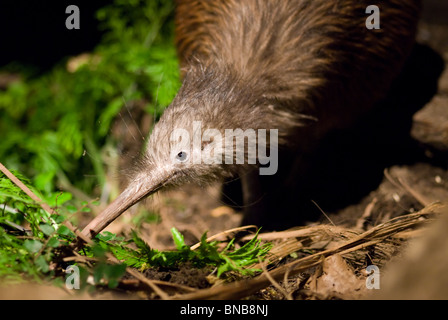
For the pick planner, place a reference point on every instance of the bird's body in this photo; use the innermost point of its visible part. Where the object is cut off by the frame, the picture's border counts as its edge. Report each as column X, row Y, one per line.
column 302, row 67
column 307, row 57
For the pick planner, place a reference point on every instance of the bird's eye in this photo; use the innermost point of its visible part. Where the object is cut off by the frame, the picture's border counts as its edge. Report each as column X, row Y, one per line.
column 182, row 156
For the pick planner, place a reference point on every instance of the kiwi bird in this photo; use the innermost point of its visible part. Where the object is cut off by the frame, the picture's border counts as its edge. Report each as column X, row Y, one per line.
column 300, row 67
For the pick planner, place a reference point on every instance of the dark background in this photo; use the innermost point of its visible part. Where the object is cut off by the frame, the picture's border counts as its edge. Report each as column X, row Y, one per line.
column 34, row 32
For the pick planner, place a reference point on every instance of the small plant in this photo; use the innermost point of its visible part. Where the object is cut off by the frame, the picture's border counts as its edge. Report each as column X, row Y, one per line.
column 208, row 254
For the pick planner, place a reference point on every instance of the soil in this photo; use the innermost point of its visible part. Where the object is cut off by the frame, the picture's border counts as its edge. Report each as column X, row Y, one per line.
column 186, row 275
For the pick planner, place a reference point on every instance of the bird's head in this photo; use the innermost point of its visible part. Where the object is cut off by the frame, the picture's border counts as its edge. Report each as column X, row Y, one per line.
column 216, row 126
column 187, row 144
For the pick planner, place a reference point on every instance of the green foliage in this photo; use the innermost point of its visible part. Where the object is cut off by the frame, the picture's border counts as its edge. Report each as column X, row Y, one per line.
column 227, row 260
column 111, row 273
column 55, row 127
column 26, row 255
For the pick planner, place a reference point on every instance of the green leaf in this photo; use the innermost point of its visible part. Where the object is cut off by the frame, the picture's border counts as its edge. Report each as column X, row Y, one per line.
column 111, row 273
column 71, row 209
column 114, row 273
column 64, row 231
column 99, row 251
column 178, row 239
column 58, row 198
column 42, row 264
column 106, row 236
column 32, row 246
column 47, row 229
column 53, row 242
column 58, row 218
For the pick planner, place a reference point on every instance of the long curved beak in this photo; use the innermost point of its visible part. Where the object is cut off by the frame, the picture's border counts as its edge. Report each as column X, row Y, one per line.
column 135, row 192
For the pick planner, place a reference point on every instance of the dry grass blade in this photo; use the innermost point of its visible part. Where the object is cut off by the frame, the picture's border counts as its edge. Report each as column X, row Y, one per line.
column 224, row 233
column 404, row 186
column 273, row 281
column 303, row 232
column 376, row 235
